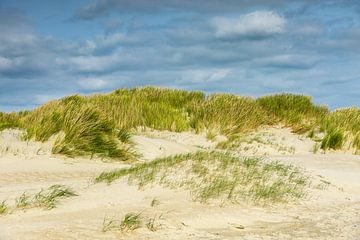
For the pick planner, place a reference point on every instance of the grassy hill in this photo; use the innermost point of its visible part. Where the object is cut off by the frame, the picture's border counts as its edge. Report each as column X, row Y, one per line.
column 102, row 124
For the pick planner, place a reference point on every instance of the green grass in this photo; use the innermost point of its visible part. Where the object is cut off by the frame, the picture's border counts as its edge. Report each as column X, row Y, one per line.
column 49, row 199
column 109, row 224
column 23, row 201
column 155, row 202
column 101, row 125
column 3, row 208
column 10, row 120
column 341, row 126
column 334, row 139
column 296, row 111
column 129, row 222
column 46, row 199
column 80, row 129
column 231, row 114
column 215, row 175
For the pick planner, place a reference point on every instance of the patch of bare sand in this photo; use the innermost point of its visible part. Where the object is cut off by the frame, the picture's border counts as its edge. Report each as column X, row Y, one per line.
column 331, row 211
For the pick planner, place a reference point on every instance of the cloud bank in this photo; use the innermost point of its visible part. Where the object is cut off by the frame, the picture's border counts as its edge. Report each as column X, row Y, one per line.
column 244, row 47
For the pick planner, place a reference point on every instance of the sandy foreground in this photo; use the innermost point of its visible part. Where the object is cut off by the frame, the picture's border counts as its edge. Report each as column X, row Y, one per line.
column 332, row 212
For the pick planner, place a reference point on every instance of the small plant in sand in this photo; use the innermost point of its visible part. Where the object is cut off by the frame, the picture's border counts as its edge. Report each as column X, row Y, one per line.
column 315, row 148
column 155, row 202
column 49, row 198
column 154, row 224
column 46, row 199
column 110, row 224
column 334, row 139
column 130, row 222
column 216, row 175
column 3, row 207
column 23, row 201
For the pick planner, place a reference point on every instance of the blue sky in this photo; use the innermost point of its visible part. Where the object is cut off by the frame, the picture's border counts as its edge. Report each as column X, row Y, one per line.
column 49, row 49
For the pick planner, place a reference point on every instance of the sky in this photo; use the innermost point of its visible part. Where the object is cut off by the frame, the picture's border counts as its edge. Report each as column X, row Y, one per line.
column 50, row 49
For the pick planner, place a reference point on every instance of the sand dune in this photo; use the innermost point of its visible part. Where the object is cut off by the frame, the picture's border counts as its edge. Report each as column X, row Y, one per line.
column 330, row 211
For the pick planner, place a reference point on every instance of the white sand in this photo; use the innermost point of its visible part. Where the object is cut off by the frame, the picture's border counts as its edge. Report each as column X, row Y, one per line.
column 333, row 213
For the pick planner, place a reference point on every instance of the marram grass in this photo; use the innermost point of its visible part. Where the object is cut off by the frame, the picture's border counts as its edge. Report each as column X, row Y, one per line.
column 218, row 176
column 101, row 125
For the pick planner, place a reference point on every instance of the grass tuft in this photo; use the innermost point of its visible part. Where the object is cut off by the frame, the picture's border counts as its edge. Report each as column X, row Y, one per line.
column 154, row 224
column 23, row 201
column 130, row 222
column 296, row 111
column 155, row 202
column 215, row 175
column 46, row 199
column 334, row 139
column 3, row 208
column 49, row 199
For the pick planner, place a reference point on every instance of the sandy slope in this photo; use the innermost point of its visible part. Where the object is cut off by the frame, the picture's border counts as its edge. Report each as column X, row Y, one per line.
column 330, row 213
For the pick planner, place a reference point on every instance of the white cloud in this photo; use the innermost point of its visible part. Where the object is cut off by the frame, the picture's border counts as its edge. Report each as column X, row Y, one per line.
column 5, row 63
column 255, row 24
column 299, row 61
column 102, row 42
column 92, row 83
column 43, row 98
column 204, row 75
column 309, row 30
column 89, row 63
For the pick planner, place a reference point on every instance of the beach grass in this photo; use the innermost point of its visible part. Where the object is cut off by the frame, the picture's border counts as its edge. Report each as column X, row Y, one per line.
column 218, row 175
column 102, row 124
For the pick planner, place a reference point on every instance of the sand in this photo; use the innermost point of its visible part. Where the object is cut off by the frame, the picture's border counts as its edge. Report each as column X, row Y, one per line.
column 331, row 212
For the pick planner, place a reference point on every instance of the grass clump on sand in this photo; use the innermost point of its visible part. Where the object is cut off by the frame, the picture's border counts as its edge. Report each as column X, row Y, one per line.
column 296, row 111
column 215, row 175
column 3, row 208
column 158, row 108
column 340, row 127
column 231, row 114
column 81, row 129
column 129, row 222
column 46, row 199
column 9, row 120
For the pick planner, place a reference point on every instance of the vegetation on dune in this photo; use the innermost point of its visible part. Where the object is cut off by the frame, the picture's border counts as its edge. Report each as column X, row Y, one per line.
column 231, row 114
column 163, row 109
column 81, row 129
column 296, row 111
column 340, row 127
column 215, row 175
column 9, row 120
column 3, row 208
column 101, row 124
column 129, row 222
column 46, row 199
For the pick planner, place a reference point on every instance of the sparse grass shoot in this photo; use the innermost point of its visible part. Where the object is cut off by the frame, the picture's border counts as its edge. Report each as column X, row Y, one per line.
column 46, row 199
column 50, row 198
column 155, row 202
column 3, row 208
column 154, row 224
column 110, row 224
column 23, row 201
column 130, row 222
